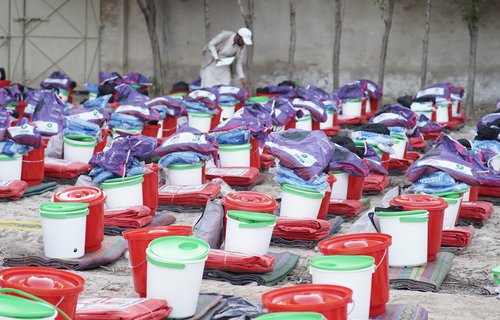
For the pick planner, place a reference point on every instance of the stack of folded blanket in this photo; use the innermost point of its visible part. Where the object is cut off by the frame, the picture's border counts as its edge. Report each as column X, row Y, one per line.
column 188, row 195
column 239, row 262
column 131, row 217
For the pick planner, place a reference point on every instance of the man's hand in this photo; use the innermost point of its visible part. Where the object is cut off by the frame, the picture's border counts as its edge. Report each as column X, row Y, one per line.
column 244, row 82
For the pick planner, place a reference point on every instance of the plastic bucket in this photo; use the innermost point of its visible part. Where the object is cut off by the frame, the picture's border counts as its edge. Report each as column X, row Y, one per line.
column 297, row 202
column 248, row 232
column 63, row 229
column 150, row 187
column 329, row 300
column 94, row 197
column 138, row 241
column 453, row 199
column 151, row 130
column 249, row 201
column 353, row 272
column 375, row 245
column 10, row 167
column 15, row 308
column 351, row 108
column 79, row 148
column 185, row 174
column 340, row 187
column 123, row 192
column 227, row 111
column 454, row 107
column 435, row 206
column 292, row 316
column 409, row 232
column 57, row 287
column 234, row 155
column 424, row 108
column 33, row 167
column 304, row 123
column 175, row 270
column 169, row 126
column 442, row 112
column 329, row 120
column 400, row 143
column 200, row 121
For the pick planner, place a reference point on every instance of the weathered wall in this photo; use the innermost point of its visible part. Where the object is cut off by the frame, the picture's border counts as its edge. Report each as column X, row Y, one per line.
column 181, row 30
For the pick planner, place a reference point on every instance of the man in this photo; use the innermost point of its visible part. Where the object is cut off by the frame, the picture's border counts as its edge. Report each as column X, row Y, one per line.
column 216, row 57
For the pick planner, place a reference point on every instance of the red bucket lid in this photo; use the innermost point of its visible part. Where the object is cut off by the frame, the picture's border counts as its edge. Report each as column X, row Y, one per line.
column 355, row 244
column 39, row 281
column 249, row 199
column 152, row 233
column 308, row 297
column 419, row 201
column 85, row 194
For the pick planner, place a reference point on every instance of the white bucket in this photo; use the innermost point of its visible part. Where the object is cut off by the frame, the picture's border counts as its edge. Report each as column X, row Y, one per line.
column 160, row 131
column 424, row 108
column 351, row 108
column 17, row 308
column 442, row 115
column 79, row 148
column 451, row 213
column 63, row 228
column 340, row 186
column 353, row 272
column 123, row 192
column 299, row 202
column 466, row 195
column 494, row 163
column 200, row 121
column 248, row 232
column 304, row 123
column 227, row 111
column 329, row 120
column 399, row 146
column 185, row 174
column 408, row 230
column 10, row 167
column 174, row 273
column 234, row 155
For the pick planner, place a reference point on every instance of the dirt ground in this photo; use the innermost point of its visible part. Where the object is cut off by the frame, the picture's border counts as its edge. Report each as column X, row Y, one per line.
column 465, row 293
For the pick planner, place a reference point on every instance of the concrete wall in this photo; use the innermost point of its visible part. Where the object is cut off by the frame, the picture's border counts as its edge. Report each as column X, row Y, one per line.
column 125, row 44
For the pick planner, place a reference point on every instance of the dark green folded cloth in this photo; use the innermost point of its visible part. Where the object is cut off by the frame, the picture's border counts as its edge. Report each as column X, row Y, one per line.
column 403, row 312
column 180, row 209
column 284, row 264
column 428, row 277
column 494, row 200
column 40, row 189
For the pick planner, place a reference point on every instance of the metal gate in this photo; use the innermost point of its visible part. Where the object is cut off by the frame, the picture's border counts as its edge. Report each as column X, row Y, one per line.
column 38, row 37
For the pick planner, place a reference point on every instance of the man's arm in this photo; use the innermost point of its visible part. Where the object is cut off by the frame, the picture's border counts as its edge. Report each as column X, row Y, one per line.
column 215, row 41
column 239, row 63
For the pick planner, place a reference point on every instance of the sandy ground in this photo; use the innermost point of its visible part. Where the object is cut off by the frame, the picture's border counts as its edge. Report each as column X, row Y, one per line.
column 464, row 294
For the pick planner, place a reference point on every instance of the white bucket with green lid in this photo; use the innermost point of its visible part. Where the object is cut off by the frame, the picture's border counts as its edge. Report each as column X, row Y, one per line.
column 304, row 123
column 79, row 148
column 200, row 121
column 298, row 202
column 292, row 316
column 234, row 155
column 426, row 108
column 123, row 192
column 174, row 273
column 351, row 108
column 63, row 229
column 340, row 187
column 409, row 230
column 10, row 167
column 442, row 113
column 454, row 200
column 227, row 111
column 185, row 174
column 399, row 145
column 496, row 275
column 353, row 272
column 248, row 232
column 329, row 120
column 15, row 308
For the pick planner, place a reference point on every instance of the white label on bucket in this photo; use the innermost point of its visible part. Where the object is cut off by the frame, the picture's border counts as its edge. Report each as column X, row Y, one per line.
column 56, row 81
column 228, row 90
column 184, row 137
column 181, row 189
column 86, row 116
column 144, row 111
column 446, row 164
column 58, row 161
column 181, row 121
column 4, row 183
column 431, row 92
column 24, row 129
column 202, row 94
column 47, row 126
column 29, row 109
column 302, row 157
column 87, row 304
column 387, row 116
column 226, row 172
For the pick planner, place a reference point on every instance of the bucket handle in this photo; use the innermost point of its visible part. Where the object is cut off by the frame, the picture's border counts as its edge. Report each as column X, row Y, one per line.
column 353, row 305
column 372, row 219
column 35, row 298
column 382, row 260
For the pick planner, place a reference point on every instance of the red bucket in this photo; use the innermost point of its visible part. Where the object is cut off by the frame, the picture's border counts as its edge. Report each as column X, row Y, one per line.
column 325, row 203
column 435, row 206
column 474, row 193
column 58, row 287
column 138, row 241
column 329, row 300
column 169, row 126
column 355, row 187
column 33, row 169
column 94, row 234
column 249, row 201
column 151, row 130
column 99, row 147
column 366, row 244
column 150, row 187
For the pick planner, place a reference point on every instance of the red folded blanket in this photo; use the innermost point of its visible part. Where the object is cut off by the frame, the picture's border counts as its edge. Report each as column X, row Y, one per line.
column 266, row 161
column 399, row 164
column 431, row 135
column 131, row 217
column 375, row 182
column 418, row 143
column 412, row 155
column 121, row 309
column 188, row 195
column 478, row 210
column 301, row 229
column 345, row 207
column 358, row 120
column 234, row 176
column 12, row 189
column 333, row 131
column 454, row 123
column 64, row 169
column 457, row 237
column 239, row 262
column 489, row 191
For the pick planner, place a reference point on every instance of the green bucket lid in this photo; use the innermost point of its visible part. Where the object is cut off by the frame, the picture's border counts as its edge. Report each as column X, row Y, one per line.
column 337, row 172
column 398, row 136
column 451, row 194
column 400, row 213
column 4, row 157
column 292, row 316
column 258, row 99
column 174, row 251
column 342, row 263
column 200, row 114
column 235, row 147
column 354, row 100
column 64, row 210
column 304, row 192
column 122, row 182
column 252, row 219
column 185, row 166
column 80, row 138
column 227, row 104
column 496, row 274
column 20, row 308
column 176, row 95
column 304, row 118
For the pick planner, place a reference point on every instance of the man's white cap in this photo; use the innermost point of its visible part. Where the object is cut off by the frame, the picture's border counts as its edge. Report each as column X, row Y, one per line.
column 246, row 34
